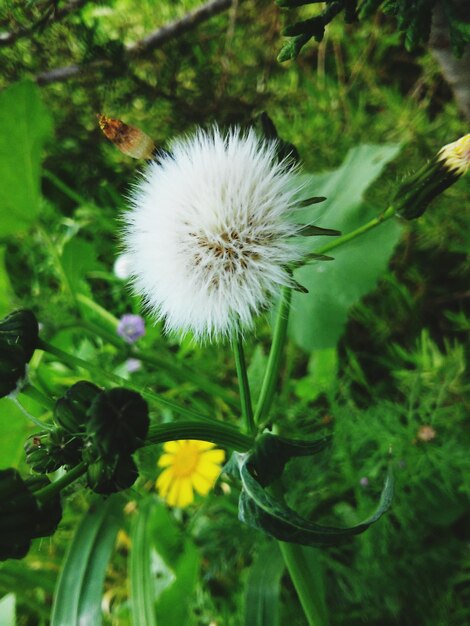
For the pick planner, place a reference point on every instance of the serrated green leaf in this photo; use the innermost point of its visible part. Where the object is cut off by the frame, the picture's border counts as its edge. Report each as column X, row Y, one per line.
column 142, row 599
column 79, row 590
column 27, row 125
column 262, row 591
column 318, row 318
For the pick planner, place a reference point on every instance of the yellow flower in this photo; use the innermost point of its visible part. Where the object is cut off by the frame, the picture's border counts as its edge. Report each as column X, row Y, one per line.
column 188, row 465
column 456, row 155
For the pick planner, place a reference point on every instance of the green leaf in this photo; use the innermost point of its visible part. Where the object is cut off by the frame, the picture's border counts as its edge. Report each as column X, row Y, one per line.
column 6, row 292
column 26, row 125
column 14, row 429
column 318, row 318
column 263, row 588
column 180, row 563
column 78, row 258
column 79, row 590
column 143, row 593
column 259, row 509
column 322, row 375
column 7, row 610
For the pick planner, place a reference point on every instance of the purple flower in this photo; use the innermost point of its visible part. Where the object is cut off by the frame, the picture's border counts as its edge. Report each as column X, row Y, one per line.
column 364, row 481
column 131, row 327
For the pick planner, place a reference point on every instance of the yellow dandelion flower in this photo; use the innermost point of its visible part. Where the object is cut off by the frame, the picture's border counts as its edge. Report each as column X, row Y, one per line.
column 456, row 155
column 188, row 465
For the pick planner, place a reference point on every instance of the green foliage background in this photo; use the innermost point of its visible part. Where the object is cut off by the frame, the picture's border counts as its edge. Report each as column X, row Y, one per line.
column 396, row 361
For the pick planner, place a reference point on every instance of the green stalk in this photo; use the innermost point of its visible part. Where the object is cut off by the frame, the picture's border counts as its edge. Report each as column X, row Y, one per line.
column 243, row 384
column 339, row 241
column 51, row 490
column 38, row 396
column 307, row 588
column 76, row 362
column 219, row 433
column 271, row 374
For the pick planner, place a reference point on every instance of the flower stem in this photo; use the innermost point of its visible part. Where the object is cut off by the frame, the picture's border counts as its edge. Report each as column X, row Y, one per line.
column 45, row 493
column 35, row 394
column 76, row 362
column 243, row 384
column 339, row 241
column 271, row 374
column 32, row 418
column 219, row 433
column 307, row 587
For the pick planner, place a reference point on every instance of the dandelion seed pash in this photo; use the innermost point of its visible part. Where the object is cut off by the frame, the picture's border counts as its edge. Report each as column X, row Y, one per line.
column 188, row 466
column 208, row 232
column 131, row 327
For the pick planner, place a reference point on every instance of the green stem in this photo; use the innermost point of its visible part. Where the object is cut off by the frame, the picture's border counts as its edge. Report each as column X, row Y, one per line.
column 35, row 394
column 220, row 433
column 307, row 588
column 339, row 241
column 76, row 362
column 45, row 493
column 271, row 374
column 32, row 418
column 243, row 384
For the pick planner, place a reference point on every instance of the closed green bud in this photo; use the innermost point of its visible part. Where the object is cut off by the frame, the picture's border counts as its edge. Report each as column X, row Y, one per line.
column 70, row 411
column 18, row 340
column 47, row 451
column 105, row 477
column 22, row 516
column 12, row 369
column 20, row 329
column 118, row 422
column 417, row 191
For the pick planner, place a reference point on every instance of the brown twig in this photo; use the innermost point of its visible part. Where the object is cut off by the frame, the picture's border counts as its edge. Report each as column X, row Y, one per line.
column 154, row 40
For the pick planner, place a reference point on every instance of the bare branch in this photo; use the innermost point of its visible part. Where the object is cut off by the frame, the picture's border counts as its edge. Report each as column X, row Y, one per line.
column 154, row 40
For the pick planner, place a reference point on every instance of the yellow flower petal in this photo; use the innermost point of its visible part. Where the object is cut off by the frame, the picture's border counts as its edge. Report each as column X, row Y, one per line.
column 165, row 460
column 210, row 471
column 202, row 484
column 173, row 494
column 202, row 445
column 185, row 495
column 213, row 456
column 172, row 446
column 164, row 481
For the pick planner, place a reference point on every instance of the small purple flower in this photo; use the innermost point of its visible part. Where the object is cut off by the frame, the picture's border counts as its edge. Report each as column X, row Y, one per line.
column 131, row 327
column 133, row 365
column 364, row 481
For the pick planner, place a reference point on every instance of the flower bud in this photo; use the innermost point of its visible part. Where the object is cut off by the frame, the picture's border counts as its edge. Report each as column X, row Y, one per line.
column 417, row 191
column 18, row 340
column 47, row 451
column 107, row 477
column 118, row 422
column 22, row 516
column 70, row 411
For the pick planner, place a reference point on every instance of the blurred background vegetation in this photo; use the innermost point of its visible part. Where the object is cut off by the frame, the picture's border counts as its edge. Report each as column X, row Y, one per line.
column 396, row 376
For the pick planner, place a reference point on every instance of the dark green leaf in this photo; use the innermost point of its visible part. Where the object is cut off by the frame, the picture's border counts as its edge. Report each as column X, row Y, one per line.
column 79, row 590
column 263, row 588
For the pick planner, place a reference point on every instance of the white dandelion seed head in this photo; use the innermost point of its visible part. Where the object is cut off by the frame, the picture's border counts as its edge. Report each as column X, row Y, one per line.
column 208, row 233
